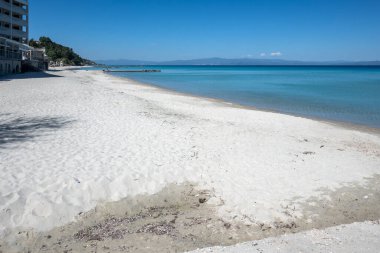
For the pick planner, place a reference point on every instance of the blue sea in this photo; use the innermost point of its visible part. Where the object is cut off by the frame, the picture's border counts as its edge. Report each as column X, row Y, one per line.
column 348, row 94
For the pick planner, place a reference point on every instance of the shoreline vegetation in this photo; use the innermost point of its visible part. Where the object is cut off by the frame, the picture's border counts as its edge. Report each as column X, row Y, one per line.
column 59, row 54
column 99, row 163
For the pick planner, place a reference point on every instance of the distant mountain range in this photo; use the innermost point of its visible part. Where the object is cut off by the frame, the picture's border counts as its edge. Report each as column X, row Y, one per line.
column 239, row 61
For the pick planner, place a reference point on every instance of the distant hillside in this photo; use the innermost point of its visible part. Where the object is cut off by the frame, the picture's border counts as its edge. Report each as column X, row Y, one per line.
column 239, row 61
column 60, row 53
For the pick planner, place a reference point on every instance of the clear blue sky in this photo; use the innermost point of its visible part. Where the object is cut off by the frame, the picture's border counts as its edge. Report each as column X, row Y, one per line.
column 186, row 29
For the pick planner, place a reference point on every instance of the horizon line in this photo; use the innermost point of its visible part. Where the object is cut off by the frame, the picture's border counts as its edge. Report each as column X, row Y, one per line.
column 242, row 58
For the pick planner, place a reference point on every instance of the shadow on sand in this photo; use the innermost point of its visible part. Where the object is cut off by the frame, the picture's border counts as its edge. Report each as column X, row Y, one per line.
column 16, row 130
column 27, row 75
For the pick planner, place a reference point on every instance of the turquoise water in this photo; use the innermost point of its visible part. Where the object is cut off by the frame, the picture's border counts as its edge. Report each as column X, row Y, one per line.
column 348, row 94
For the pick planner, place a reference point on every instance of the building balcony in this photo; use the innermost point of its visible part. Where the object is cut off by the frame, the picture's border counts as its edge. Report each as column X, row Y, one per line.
column 5, row 18
column 19, row 10
column 5, row 5
column 13, row 33
column 5, row 31
column 13, row 20
column 15, row 9
column 19, row 33
column 25, row 2
column 19, row 21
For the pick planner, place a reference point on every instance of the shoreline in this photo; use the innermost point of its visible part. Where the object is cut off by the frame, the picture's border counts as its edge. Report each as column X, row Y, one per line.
column 72, row 141
column 344, row 124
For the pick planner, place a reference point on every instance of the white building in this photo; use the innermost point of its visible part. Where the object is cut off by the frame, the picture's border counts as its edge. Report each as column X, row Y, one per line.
column 10, row 56
column 14, row 36
column 14, row 20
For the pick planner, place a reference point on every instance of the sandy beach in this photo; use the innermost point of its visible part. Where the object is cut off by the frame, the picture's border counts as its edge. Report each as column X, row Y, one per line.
column 89, row 161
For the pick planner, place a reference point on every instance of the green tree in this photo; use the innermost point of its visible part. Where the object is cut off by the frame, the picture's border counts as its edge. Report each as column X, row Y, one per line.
column 57, row 52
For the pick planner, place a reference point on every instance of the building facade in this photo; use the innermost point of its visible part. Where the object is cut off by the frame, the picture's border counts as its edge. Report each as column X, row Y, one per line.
column 14, row 20
column 10, row 56
column 14, row 34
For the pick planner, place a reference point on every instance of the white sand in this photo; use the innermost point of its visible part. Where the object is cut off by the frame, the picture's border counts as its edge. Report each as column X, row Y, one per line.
column 86, row 137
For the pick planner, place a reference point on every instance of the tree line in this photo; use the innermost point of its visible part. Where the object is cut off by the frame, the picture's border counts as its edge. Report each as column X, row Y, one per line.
column 59, row 53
